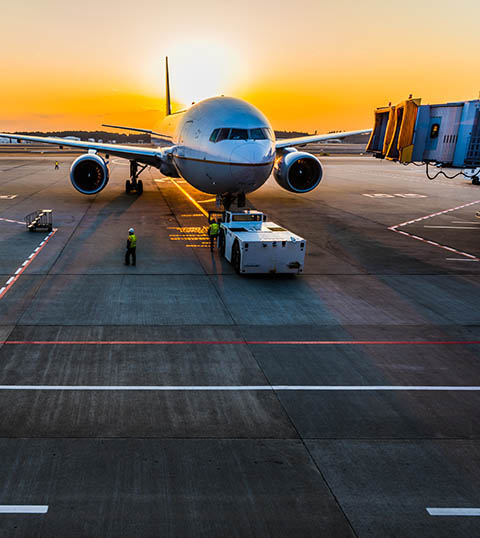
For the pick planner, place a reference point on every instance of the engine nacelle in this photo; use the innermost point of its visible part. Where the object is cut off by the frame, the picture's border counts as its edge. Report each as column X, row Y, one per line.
column 297, row 171
column 89, row 173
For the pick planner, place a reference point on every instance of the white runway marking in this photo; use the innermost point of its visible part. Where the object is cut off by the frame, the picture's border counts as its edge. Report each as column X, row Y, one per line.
column 454, row 227
column 23, row 509
column 454, row 511
column 12, row 221
column 461, row 260
column 11, row 281
column 396, row 227
column 322, row 388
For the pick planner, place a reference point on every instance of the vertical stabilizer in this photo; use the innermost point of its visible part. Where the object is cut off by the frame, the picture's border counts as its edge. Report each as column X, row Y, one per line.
column 167, row 94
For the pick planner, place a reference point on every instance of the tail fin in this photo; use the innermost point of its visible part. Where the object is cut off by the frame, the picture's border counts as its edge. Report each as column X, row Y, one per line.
column 167, row 94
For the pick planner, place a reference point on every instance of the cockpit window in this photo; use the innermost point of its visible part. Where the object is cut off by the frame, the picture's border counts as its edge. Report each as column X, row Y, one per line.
column 238, row 134
column 213, row 136
column 222, row 134
column 257, row 134
column 268, row 132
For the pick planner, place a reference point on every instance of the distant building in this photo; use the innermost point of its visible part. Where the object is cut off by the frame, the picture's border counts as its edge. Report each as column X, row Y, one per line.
column 72, row 138
column 91, row 140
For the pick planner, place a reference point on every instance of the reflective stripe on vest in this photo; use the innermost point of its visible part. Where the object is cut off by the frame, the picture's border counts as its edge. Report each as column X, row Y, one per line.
column 133, row 240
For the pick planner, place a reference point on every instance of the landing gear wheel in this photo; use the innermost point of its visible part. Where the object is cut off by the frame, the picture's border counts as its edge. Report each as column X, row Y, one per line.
column 476, row 180
column 139, row 187
column 128, row 186
column 221, row 243
column 227, row 200
column 241, row 200
column 236, row 257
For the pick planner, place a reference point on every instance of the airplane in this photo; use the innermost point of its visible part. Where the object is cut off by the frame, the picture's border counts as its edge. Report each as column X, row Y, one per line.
column 222, row 146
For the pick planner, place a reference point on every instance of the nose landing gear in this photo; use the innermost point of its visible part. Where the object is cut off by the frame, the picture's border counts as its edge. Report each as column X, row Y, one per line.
column 135, row 184
column 228, row 199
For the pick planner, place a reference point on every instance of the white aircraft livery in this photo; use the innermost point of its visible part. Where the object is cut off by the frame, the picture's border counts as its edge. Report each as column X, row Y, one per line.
column 222, row 146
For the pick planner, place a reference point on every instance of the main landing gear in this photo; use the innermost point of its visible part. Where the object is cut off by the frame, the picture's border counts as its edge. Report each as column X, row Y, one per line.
column 135, row 184
column 228, row 199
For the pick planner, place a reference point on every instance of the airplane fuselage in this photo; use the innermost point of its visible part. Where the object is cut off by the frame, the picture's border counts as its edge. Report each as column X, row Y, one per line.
column 221, row 145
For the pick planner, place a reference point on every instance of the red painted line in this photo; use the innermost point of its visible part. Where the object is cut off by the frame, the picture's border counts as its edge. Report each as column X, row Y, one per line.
column 241, row 342
column 11, row 281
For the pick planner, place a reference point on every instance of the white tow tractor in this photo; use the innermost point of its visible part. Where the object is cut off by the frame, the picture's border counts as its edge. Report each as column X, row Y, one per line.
column 254, row 245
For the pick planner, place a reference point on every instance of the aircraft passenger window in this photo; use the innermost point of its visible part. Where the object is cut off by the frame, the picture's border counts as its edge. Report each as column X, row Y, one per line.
column 222, row 134
column 257, row 134
column 435, row 130
column 213, row 136
column 238, row 134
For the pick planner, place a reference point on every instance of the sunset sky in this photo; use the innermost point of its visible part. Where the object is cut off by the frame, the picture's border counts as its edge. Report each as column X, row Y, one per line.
column 308, row 65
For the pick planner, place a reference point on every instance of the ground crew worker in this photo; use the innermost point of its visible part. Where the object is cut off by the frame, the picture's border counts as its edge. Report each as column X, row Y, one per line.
column 131, row 248
column 213, row 231
column 56, row 165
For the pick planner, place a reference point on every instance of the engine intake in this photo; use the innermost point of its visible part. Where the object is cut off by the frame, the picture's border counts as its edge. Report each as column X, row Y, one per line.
column 298, row 171
column 89, row 173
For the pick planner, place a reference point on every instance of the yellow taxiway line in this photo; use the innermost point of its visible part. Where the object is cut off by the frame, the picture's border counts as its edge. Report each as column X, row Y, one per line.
column 194, row 202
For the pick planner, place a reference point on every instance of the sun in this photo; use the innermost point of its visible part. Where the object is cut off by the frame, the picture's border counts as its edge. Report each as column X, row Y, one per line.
column 201, row 69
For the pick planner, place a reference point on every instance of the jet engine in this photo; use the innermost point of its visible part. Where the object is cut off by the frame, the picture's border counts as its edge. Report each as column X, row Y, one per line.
column 297, row 171
column 89, row 173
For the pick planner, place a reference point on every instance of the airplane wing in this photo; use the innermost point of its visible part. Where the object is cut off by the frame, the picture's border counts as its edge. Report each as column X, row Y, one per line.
column 143, row 155
column 302, row 140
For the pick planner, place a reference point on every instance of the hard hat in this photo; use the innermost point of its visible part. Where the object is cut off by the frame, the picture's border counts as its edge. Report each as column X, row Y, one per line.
column 131, row 231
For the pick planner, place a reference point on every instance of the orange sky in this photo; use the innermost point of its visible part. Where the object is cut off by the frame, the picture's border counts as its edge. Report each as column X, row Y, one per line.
column 308, row 65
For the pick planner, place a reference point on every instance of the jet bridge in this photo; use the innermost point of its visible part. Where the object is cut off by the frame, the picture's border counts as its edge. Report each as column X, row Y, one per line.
column 443, row 135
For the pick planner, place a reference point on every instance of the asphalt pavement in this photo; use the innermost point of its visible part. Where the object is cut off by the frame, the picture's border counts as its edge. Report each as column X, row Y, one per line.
column 179, row 399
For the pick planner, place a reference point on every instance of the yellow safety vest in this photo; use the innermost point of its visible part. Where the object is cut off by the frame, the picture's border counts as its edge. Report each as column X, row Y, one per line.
column 214, row 229
column 133, row 240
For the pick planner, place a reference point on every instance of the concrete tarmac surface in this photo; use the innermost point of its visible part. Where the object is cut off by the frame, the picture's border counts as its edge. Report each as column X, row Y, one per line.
column 178, row 399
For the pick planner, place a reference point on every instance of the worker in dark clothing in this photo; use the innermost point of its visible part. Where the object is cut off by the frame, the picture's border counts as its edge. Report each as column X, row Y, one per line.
column 131, row 248
column 213, row 232
column 56, row 165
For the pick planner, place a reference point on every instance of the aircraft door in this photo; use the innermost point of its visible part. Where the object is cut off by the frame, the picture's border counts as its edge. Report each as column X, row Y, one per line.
column 185, row 138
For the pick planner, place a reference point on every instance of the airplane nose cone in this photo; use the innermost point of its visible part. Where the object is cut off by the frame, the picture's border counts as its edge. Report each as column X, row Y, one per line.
column 250, row 163
column 248, row 153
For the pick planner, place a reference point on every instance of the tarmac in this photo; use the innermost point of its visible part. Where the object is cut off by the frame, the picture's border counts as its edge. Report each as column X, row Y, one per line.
column 179, row 399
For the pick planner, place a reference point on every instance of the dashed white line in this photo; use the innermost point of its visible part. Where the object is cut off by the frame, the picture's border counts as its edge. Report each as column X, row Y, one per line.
column 454, row 227
column 396, row 227
column 23, row 509
column 454, row 511
column 11, row 281
column 461, row 260
column 12, row 221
